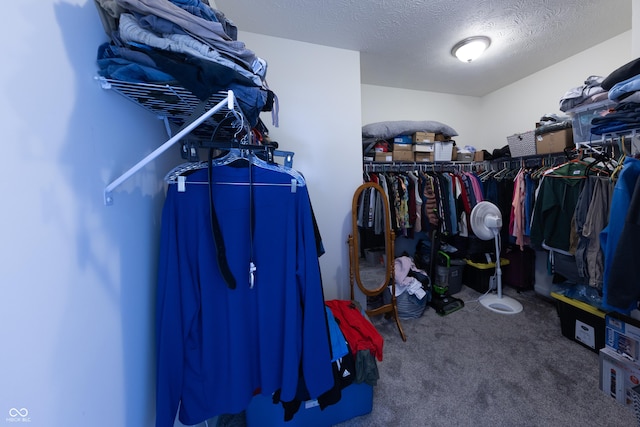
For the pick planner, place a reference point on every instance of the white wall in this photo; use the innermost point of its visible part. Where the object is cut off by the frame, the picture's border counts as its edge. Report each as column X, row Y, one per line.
column 319, row 93
column 76, row 277
column 460, row 112
column 635, row 28
column 516, row 108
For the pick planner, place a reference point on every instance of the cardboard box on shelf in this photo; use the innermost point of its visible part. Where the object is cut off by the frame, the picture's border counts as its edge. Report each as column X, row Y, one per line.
column 424, row 148
column 554, row 142
column 420, row 137
column 441, row 137
column 464, row 156
column 402, row 139
column 478, row 156
column 384, row 156
column 403, row 156
column 402, row 147
column 424, row 157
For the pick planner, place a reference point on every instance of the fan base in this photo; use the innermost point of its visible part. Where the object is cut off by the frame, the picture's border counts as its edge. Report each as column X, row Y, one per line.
column 504, row 305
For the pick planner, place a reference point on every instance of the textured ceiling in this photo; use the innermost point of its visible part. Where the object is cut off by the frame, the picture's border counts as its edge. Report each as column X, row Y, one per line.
column 407, row 43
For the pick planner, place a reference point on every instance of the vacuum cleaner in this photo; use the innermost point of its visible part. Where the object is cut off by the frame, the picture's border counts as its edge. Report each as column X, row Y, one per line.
column 439, row 265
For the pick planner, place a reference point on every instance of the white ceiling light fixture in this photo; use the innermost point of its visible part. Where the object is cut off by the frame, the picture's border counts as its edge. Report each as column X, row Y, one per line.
column 471, row 48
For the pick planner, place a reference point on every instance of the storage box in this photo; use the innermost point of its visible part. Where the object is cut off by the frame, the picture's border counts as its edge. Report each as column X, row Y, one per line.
column 356, row 400
column 424, row 157
column 554, row 142
column 456, row 271
column 441, row 137
column 581, row 322
column 403, row 139
column 374, row 256
column 478, row 156
column 522, row 144
column 478, row 275
column 403, row 156
column 384, row 156
column 618, row 376
column 581, row 117
column 420, row 137
column 443, row 151
column 464, row 156
column 402, row 147
column 424, row 148
column 622, row 335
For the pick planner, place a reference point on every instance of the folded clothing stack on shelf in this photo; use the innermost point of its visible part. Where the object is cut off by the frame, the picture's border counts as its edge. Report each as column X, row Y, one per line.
column 185, row 43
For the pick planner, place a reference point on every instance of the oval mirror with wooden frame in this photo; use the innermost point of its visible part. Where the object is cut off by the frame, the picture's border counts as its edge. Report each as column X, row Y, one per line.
column 371, row 251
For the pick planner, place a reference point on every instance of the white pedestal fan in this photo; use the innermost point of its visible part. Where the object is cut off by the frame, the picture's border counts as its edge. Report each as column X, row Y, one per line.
column 486, row 222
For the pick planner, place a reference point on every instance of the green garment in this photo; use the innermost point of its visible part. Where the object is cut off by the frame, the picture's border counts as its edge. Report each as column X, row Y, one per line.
column 555, row 206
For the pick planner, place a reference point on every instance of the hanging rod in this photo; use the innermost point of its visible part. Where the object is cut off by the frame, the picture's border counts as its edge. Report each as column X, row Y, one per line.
column 228, row 102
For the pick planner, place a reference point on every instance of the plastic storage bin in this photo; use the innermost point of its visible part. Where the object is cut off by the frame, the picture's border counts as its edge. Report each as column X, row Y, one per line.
column 443, row 151
column 581, row 322
column 581, row 117
column 478, row 275
column 356, row 400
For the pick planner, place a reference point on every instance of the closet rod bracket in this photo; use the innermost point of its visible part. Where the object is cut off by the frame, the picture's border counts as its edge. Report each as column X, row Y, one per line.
column 228, row 102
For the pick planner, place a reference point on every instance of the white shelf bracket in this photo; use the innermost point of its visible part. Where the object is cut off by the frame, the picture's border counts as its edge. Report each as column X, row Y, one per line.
column 228, row 103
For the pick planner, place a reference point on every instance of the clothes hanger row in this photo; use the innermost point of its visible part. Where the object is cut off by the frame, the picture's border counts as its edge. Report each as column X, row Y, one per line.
column 422, row 167
column 246, row 154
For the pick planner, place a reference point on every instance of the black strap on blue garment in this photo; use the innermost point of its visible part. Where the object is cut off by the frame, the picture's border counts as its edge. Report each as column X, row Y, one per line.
column 221, row 255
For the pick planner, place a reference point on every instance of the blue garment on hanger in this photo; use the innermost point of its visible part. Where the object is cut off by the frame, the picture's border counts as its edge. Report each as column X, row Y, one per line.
column 610, row 235
column 216, row 346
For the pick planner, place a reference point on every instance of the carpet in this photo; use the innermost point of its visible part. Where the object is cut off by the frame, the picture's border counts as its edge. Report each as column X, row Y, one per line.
column 478, row 368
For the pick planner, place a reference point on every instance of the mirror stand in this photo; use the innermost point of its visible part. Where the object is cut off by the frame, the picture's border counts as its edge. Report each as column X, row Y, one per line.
column 384, row 280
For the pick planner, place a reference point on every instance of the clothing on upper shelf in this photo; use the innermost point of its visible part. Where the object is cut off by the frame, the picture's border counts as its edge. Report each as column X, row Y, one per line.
column 183, row 42
column 625, row 116
column 621, row 73
column 582, row 94
column 217, row 346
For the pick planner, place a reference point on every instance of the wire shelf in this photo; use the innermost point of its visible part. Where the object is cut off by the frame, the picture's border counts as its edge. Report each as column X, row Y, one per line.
column 175, row 104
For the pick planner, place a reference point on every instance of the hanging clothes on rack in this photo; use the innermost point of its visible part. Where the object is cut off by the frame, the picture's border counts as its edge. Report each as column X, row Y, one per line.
column 569, row 212
column 620, row 242
column 423, row 200
column 555, row 206
column 217, row 346
column 595, row 221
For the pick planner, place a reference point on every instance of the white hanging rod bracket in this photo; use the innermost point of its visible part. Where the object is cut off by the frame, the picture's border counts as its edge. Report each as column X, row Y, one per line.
column 228, row 102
